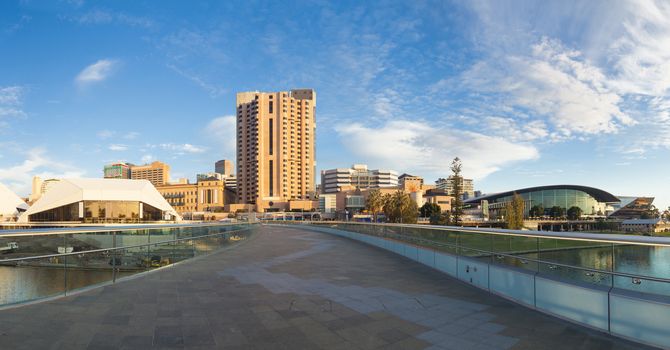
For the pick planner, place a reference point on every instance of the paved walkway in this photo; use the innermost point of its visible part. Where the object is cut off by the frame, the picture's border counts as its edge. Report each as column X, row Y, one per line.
column 292, row 289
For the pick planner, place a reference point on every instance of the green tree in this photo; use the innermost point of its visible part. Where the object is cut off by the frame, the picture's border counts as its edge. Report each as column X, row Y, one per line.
column 514, row 213
column 375, row 203
column 440, row 218
column 429, row 209
column 536, row 211
column 556, row 212
column 400, row 208
column 457, row 191
column 574, row 213
column 651, row 213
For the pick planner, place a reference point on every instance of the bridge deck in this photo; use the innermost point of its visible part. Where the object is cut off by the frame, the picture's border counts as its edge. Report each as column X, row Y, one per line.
column 292, row 289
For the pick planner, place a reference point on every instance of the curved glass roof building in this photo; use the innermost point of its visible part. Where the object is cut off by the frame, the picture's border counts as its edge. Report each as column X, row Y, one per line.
column 591, row 200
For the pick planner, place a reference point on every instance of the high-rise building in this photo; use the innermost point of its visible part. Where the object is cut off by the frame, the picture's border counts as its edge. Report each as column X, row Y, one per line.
column 118, row 170
column 275, row 146
column 357, row 176
column 158, row 173
column 224, row 167
column 447, row 185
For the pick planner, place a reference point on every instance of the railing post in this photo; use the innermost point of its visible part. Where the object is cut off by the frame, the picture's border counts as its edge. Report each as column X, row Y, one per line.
column 65, row 265
column 114, row 257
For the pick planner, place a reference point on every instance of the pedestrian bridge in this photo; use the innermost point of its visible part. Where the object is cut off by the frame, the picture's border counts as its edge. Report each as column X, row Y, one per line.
column 300, row 287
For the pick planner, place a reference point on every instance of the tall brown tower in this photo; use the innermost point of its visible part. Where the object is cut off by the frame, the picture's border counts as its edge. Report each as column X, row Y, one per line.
column 276, row 146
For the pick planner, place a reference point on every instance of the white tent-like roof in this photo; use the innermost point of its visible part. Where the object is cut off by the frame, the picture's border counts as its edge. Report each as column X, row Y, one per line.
column 69, row 191
column 10, row 202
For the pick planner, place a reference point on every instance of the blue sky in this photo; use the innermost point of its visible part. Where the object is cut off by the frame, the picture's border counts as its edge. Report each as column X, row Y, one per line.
column 525, row 93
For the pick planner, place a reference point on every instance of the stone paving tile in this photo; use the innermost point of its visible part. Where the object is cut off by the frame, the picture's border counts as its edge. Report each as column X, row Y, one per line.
column 291, row 289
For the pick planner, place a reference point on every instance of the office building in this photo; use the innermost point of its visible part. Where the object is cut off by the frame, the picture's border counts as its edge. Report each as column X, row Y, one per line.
column 100, row 200
column 275, row 147
column 158, row 173
column 118, row 170
column 358, row 176
column 224, row 167
column 447, row 185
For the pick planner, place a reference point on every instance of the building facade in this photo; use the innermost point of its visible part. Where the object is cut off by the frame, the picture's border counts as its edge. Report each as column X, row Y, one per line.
column 275, row 147
column 358, row 176
column 207, row 195
column 645, row 226
column 158, row 173
column 410, row 183
column 117, row 171
column 447, row 185
column 592, row 201
column 224, row 167
column 100, row 201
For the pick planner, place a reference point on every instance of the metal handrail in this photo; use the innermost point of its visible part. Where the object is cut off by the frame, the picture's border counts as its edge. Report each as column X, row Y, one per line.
column 620, row 274
column 513, row 233
column 36, row 257
column 581, row 236
column 94, row 229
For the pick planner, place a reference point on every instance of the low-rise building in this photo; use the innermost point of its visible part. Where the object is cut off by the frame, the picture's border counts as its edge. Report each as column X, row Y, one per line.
column 439, row 197
column 207, row 195
column 101, row 201
column 645, row 225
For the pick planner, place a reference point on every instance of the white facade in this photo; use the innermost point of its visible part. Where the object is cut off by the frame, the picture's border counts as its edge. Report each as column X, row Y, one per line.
column 467, row 186
column 10, row 204
column 71, row 191
column 328, row 203
column 357, row 176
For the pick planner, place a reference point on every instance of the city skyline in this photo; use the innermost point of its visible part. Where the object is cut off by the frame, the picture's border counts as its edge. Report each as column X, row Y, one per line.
column 572, row 94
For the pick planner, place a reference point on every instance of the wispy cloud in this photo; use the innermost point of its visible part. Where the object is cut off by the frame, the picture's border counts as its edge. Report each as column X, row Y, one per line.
column 99, row 16
column 118, row 147
column 11, row 103
column 181, row 148
column 96, row 72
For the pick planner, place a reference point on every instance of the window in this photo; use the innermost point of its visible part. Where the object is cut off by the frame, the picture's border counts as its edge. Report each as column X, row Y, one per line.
column 271, row 133
column 271, row 179
column 270, row 107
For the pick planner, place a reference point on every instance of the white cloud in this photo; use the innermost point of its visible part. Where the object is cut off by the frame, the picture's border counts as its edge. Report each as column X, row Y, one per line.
column 118, row 147
column 147, row 158
column 96, row 72
column 107, row 17
column 105, row 134
column 412, row 146
column 19, row 176
column 556, row 86
column 11, row 101
column 221, row 130
column 182, row 148
column 131, row 135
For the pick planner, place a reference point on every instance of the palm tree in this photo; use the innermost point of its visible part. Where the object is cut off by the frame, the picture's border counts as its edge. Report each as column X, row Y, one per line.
column 375, row 203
